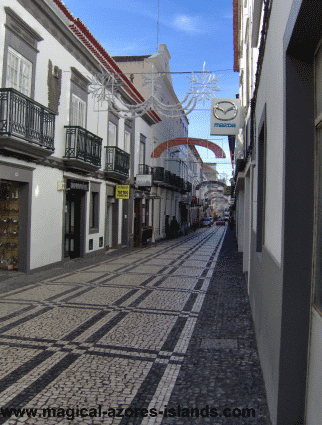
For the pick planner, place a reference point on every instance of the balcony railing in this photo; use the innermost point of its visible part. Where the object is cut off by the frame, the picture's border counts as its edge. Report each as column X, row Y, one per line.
column 82, row 145
column 117, row 162
column 187, row 186
column 180, row 184
column 24, row 118
column 167, row 177
column 158, row 174
column 145, row 169
column 173, row 179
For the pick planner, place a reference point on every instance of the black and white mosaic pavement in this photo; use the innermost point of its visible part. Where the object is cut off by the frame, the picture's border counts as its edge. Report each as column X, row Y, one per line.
column 114, row 334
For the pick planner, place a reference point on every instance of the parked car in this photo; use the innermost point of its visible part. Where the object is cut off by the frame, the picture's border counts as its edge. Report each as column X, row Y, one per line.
column 206, row 221
column 220, row 222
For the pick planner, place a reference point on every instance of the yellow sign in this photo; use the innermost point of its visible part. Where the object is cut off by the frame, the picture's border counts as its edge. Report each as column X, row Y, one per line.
column 122, row 191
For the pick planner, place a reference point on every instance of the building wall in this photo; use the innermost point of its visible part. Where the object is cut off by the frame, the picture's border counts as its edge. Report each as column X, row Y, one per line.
column 46, row 218
column 265, row 294
column 266, row 273
column 47, row 203
column 281, row 278
column 240, row 219
column 167, row 129
column 271, row 95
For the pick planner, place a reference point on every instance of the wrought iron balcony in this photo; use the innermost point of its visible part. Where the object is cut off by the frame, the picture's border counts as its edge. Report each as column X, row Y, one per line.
column 26, row 127
column 158, row 174
column 83, row 149
column 173, row 180
column 187, row 186
column 167, row 177
column 145, row 169
column 180, row 184
column 117, row 163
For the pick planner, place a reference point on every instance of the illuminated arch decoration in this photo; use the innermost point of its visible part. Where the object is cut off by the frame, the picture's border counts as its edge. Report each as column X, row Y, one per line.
column 218, row 151
column 208, row 183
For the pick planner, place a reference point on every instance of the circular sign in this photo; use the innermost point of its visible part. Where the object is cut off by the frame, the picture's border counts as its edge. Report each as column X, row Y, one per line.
column 225, row 110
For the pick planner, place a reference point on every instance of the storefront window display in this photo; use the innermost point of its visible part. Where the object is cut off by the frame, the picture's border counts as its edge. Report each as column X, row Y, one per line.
column 9, row 225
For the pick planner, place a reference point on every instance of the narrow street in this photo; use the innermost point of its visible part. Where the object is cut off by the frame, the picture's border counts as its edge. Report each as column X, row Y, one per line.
column 147, row 334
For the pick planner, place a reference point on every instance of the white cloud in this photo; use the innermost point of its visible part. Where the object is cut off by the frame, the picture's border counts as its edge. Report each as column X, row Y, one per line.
column 135, row 47
column 188, row 24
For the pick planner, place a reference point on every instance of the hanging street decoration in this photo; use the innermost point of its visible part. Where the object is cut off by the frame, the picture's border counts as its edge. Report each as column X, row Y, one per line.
column 180, row 141
column 214, row 184
column 106, row 87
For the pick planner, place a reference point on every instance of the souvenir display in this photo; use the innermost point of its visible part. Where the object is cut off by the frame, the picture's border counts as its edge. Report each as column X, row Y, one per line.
column 9, row 225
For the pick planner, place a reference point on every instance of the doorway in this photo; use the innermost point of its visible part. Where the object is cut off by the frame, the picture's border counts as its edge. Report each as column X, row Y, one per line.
column 74, row 230
column 137, row 222
column 9, row 225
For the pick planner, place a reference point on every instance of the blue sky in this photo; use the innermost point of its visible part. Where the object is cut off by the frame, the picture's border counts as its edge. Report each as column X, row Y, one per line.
column 194, row 32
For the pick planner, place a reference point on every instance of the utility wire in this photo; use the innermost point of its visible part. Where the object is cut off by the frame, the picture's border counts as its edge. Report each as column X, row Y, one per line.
column 158, row 27
column 177, row 72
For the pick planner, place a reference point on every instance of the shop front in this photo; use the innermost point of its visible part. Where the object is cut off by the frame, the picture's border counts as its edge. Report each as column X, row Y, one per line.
column 141, row 216
column 9, row 227
column 75, row 213
column 15, row 213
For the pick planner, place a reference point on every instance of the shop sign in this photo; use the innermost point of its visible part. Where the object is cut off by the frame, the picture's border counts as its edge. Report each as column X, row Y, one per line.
column 77, row 185
column 144, row 180
column 225, row 117
column 122, row 191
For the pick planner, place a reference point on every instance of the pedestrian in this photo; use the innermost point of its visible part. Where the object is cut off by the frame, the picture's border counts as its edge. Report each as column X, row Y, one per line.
column 231, row 222
column 167, row 227
column 174, row 227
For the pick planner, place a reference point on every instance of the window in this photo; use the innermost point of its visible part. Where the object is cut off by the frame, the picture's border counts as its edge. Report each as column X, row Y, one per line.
column 261, row 184
column 93, row 213
column 112, row 140
column 142, row 150
column 78, row 112
column 318, row 193
column 142, row 153
column 318, row 289
column 19, row 72
column 20, row 54
column 94, row 207
column 78, row 98
column 113, row 126
column 127, row 141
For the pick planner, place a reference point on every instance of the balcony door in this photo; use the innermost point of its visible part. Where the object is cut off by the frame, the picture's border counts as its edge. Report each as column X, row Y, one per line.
column 78, row 112
column 19, row 72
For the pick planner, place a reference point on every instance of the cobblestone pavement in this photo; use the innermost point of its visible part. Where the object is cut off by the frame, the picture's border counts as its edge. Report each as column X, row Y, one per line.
column 161, row 329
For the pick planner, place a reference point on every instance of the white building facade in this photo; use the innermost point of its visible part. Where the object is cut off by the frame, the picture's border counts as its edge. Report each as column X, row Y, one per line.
column 171, row 173
column 278, row 196
column 61, row 152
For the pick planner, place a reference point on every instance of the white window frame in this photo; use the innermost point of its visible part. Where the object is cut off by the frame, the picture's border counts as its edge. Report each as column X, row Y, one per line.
column 127, row 141
column 142, row 153
column 17, row 77
column 112, row 134
column 78, row 111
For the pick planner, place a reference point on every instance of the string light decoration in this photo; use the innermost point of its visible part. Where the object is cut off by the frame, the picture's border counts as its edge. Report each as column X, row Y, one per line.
column 105, row 87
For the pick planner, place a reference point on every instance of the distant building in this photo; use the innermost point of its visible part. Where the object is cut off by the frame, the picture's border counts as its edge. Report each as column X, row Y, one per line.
column 172, row 172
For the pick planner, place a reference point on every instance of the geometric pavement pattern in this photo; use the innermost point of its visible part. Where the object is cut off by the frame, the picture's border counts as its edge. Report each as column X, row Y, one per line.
column 113, row 334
